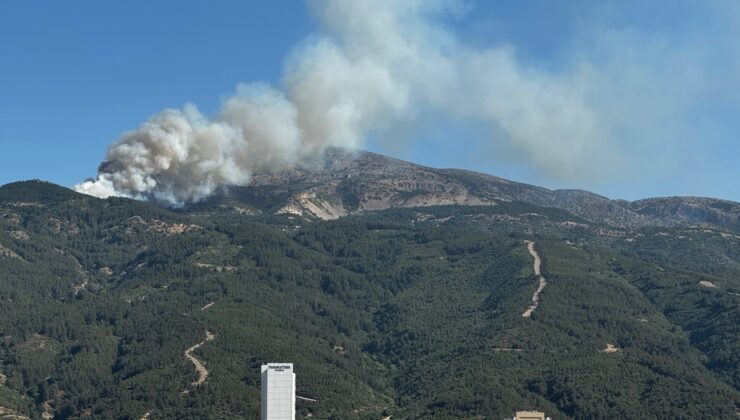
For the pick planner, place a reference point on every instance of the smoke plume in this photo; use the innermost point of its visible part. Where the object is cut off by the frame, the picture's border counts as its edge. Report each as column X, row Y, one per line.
column 373, row 64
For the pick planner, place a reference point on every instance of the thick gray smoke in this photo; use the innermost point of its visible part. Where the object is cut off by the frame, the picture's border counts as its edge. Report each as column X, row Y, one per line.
column 373, row 65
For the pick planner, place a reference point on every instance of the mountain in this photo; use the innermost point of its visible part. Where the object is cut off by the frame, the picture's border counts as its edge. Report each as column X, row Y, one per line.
column 395, row 289
column 345, row 182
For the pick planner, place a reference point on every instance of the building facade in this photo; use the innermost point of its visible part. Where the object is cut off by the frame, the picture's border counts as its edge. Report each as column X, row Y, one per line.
column 530, row 415
column 278, row 392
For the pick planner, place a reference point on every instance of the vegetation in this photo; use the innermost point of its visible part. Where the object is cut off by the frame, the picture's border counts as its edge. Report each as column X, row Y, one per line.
column 411, row 313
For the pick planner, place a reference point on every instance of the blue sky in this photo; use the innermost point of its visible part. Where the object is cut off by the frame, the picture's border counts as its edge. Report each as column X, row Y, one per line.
column 663, row 79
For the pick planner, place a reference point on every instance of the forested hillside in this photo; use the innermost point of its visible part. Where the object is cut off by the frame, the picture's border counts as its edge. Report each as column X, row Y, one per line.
column 408, row 312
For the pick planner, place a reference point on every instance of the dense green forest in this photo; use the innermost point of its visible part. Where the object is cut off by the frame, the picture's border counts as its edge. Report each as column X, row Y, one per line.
column 409, row 313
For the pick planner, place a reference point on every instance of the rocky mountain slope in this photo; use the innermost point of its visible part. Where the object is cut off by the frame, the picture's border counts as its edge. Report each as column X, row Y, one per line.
column 343, row 182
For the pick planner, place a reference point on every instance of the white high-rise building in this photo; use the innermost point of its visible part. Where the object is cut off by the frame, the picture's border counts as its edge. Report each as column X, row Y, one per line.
column 278, row 391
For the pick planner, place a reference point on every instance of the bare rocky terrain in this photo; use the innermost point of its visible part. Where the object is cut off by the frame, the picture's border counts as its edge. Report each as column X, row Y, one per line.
column 344, row 182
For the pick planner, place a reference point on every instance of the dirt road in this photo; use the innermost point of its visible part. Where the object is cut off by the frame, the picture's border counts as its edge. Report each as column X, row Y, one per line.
column 542, row 281
column 202, row 371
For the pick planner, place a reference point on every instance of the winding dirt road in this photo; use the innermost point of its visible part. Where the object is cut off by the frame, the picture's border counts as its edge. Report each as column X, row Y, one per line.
column 542, row 281
column 202, row 371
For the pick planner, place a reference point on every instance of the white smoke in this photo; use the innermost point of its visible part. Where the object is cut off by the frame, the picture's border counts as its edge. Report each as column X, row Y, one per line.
column 181, row 156
column 374, row 64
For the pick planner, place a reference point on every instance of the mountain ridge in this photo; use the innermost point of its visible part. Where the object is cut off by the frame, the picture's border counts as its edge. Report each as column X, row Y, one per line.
column 323, row 187
column 344, row 182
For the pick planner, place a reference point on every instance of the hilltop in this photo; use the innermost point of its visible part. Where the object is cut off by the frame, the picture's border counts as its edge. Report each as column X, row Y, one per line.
column 344, row 182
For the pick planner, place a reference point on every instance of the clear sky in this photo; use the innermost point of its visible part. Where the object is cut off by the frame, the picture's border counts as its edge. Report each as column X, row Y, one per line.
column 661, row 78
